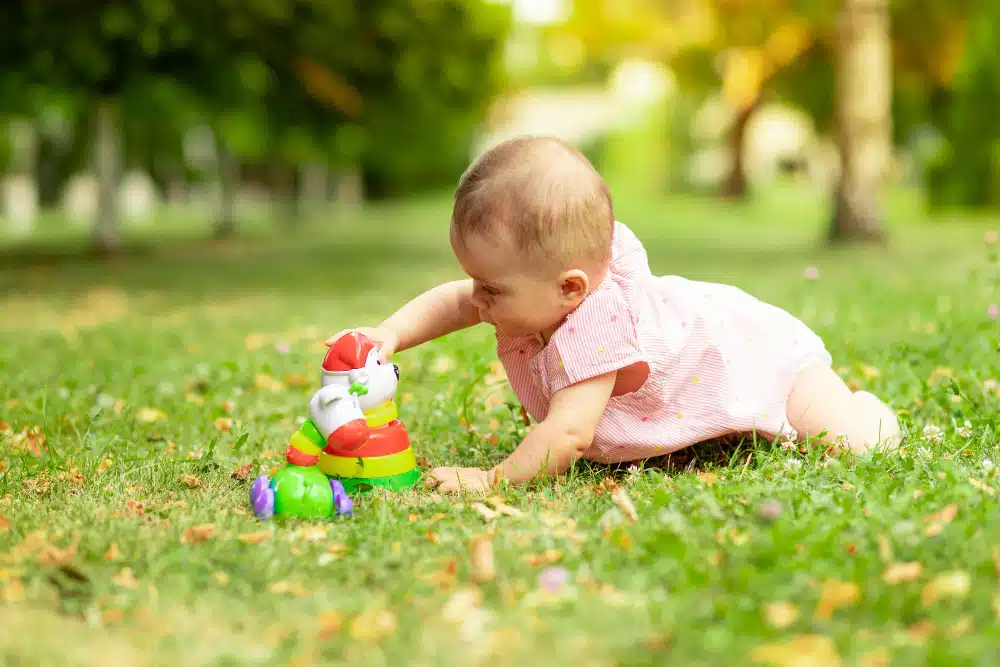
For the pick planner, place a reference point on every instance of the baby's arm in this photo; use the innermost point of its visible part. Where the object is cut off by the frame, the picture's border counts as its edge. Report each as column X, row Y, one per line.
column 552, row 445
column 437, row 312
column 563, row 436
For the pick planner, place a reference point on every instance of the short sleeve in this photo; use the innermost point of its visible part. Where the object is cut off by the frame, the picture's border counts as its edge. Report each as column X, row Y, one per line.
column 597, row 338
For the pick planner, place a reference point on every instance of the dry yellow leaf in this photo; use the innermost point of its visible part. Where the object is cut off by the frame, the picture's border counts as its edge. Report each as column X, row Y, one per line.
column 481, row 556
column 190, row 481
column 781, row 614
column 884, row 549
column 504, row 508
column 126, row 579
column 961, row 627
column 224, row 424
column 151, row 415
column 709, row 478
column 197, row 534
column 293, row 587
column 897, row 573
column 112, row 553
column 267, row 383
column 982, row 486
column 133, row 508
column 373, row 624
column 949, row 584
column 624, row 503
column 254, row 538
column 4, row 524
column 800, row 651
column 836, row 594
column 485, row 512
column 938, row 520
column 329, row 622
column 876, row 658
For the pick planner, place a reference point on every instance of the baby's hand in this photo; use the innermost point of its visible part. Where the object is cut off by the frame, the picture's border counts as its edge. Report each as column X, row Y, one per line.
column 385, row 340
column 452, row 480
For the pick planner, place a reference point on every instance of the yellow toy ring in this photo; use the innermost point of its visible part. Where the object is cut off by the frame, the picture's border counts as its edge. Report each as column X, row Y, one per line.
column 381, row 414
column 373, row 466
column 303, row 443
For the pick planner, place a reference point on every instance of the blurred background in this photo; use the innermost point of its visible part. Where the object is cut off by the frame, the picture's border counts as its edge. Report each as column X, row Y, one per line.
column 161, row 118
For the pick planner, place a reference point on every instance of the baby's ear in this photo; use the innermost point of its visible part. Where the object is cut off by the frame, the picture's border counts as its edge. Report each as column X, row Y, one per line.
column 574, row 285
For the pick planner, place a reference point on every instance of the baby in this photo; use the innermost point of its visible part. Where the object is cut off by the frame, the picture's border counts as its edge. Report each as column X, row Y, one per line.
column 612, row 362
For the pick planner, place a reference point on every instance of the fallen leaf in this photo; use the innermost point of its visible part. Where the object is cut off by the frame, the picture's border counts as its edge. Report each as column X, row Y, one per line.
column 433, row 537
column 781, row 614
column 224, row 424
column 485, row 512
column 4, row 524
column 197, row 534
column 112, row 553
column 330, row 622
column 267, row 383
column 982, row 486
column 897, row 573
column 504, row 508
column 133, row 508
column 949, row 584
column 31, row 440
column 283, row 587
column 190, row 481
column 151, row 415
column 373, row 624
column 481, row 556
column 547, row 557
column 876, row 658
column 961, row 627
column 314, row 534
column 624, row 503
column 242, row 474
column 938, row 520
column 709, row 478
column 920, row 631
column 836, row 594
column 800, row 651
column 254, row 538
column 53, row 555
column 126, row 579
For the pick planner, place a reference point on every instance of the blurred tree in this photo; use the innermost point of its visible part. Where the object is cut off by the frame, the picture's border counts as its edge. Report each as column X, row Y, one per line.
column 393, row 87
column 964, row 168
column 863, row 114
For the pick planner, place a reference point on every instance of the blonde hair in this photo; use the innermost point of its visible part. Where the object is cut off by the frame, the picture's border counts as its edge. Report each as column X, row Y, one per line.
column 543, row 195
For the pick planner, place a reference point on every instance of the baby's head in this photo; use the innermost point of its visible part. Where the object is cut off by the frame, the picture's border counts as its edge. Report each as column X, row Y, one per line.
column 532, row 226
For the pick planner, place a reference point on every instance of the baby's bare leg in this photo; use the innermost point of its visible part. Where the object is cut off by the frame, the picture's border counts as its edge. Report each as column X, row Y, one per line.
column 821, row 401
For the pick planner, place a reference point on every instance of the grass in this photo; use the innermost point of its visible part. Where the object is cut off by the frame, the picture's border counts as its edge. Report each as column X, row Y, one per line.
column 132, row 389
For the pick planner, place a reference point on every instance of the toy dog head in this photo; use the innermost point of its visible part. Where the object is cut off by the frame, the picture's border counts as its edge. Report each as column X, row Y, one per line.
column 353, row 362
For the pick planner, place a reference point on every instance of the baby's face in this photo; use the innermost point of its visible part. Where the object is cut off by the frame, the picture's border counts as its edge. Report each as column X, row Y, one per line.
column 516, row 298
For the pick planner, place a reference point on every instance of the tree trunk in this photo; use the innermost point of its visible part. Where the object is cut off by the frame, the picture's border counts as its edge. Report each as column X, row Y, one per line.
column 107, row 233
column 735, row 186
column 225, row 223
column 863, row 98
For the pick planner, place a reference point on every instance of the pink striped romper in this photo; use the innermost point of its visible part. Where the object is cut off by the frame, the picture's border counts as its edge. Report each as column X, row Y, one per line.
column 720, row 361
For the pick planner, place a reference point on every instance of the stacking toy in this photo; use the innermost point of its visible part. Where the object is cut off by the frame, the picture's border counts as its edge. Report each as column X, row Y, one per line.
column 351, row 443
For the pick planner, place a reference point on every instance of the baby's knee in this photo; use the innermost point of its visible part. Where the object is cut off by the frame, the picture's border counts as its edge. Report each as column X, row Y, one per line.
column 874, row 424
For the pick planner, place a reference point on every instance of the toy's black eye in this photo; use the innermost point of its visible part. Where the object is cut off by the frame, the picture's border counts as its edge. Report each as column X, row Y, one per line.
column 396, row 368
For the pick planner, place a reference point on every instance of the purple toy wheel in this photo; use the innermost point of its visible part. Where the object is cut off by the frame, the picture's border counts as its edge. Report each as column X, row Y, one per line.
column 262, row 498
column 341, row 501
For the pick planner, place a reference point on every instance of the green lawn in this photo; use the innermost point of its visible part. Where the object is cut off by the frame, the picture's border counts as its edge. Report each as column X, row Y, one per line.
column 131, row 370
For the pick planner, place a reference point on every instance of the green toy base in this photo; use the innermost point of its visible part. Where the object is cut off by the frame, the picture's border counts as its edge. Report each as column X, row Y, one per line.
column 400, row 482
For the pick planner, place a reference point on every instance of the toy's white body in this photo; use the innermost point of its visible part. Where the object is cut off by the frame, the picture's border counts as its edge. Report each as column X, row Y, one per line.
column 334, row 405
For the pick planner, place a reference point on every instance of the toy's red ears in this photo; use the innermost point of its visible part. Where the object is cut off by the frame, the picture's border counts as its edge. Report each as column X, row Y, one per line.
column 348, row 353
